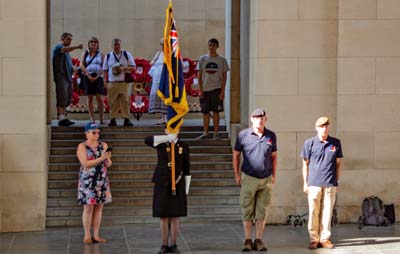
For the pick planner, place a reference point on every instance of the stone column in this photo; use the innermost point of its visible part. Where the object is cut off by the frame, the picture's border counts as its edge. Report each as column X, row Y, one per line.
column 23, row 138
column 235, row 63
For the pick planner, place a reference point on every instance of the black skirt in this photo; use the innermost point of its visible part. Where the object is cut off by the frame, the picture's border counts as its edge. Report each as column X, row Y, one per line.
column 166, row 205
column 93, row 88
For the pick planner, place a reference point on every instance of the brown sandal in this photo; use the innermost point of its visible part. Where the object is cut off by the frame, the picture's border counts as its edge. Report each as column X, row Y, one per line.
column 100, row 240
column 87, row 241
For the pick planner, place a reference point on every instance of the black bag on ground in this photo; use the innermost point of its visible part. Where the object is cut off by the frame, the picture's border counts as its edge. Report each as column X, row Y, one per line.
column 373, row 212
column 390, row 213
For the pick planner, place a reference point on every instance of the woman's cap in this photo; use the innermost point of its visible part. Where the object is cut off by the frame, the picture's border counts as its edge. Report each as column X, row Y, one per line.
column 92, row 127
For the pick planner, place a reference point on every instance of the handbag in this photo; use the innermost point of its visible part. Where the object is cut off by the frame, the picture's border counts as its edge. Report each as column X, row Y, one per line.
column 128, row 77
column 84, row 83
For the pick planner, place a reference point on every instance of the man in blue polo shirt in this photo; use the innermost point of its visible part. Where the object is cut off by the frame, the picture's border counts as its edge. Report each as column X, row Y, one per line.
column 321, row 170
column 260, row 160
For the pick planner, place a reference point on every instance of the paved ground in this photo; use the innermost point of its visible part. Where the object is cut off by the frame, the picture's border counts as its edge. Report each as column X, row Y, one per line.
column 214, row 238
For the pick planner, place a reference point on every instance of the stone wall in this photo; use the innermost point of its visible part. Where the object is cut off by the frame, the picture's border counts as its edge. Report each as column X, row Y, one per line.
column 139, row 24
column 335, row 58
column 369, row 99
column 23, row 138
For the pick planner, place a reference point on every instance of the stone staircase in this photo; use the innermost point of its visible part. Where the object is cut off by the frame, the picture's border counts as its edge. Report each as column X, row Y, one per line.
column 214, row 196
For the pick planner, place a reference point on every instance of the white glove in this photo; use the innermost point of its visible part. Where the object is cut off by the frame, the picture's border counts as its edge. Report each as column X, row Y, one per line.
column 159, row 139
column 187, row 183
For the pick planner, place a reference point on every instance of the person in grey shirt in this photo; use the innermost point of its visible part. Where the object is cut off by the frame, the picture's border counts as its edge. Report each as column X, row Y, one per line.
column 212, row 80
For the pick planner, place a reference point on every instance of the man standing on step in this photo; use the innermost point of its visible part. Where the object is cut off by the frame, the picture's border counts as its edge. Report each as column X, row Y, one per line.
column 257, row 176
column 166, row 205
column 62, row 75
column 321, row 170
column 212, row 80
column 117, row 64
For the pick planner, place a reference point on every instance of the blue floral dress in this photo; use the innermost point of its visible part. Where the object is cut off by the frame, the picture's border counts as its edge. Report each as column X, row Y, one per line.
column 94, row 186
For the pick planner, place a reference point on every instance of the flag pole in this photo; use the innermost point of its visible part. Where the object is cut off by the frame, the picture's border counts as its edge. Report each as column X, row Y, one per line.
column 172, row 84
column 173, row 182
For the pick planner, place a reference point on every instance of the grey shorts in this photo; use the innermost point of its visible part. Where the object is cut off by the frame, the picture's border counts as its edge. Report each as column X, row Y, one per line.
column 211, row 102
column 63, row 92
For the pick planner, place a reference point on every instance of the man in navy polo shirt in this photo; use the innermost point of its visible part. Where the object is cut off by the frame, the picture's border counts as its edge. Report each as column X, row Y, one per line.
column 260, row 160
column 321, row 170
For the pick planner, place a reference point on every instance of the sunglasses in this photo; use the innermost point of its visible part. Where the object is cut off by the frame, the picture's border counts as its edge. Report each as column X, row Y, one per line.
column 94, row 41
column 95, row 132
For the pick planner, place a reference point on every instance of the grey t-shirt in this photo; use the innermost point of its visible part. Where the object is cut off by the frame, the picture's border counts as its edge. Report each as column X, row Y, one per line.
column 212, row 69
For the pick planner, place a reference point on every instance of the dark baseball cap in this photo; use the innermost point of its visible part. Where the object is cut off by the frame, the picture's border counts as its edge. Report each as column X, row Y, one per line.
column 92, row 127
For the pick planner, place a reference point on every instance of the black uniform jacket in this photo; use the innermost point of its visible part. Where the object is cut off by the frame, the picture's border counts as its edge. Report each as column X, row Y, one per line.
column 162, row 172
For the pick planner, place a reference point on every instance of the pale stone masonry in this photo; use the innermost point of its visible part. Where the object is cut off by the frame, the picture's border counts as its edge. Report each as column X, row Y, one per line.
column 23, row 138
column 334, row 58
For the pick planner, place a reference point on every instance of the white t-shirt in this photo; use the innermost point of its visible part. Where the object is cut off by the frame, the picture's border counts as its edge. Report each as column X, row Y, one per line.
column 112, row 58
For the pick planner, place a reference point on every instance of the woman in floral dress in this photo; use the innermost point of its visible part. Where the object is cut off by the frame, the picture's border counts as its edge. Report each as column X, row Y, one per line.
column 94, row 186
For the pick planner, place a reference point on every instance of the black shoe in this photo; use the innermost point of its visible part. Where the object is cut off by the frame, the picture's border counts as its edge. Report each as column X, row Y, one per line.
column 65, row 122
column 112, row 123
column 69, row 122
column 248, row 245
column 174, row 249
column 163, row 249
column 127, row 122
column 259, row 246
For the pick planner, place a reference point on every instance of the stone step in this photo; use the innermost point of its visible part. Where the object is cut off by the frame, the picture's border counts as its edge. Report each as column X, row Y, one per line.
column 75, row 221
column 147, row 201
column 139, row 142
column 144, row 210
column 148, row 192
column 143, row 183
column 144, row 150
column 138, row 128
column 152, row 157
column 142, row 166
column 126, row 135
column 214, row 195
column 141, row 174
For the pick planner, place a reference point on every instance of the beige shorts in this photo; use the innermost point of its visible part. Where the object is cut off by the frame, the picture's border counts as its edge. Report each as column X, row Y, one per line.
column 255, row 197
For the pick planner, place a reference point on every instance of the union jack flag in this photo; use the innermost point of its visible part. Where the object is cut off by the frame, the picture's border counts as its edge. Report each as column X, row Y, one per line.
column 172, row 87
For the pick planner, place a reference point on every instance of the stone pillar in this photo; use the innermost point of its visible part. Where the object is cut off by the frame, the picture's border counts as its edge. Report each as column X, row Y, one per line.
column 235, row 62
column 244, row 60
column 23, row 138
column 293, row 61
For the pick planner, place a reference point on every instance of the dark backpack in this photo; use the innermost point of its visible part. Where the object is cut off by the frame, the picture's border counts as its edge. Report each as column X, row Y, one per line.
column 373, row 212
column 123, row 52
column 390, row 213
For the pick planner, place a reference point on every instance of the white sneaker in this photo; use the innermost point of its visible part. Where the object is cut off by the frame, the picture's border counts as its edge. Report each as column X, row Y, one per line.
column 203, row 136
column 216, row 136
